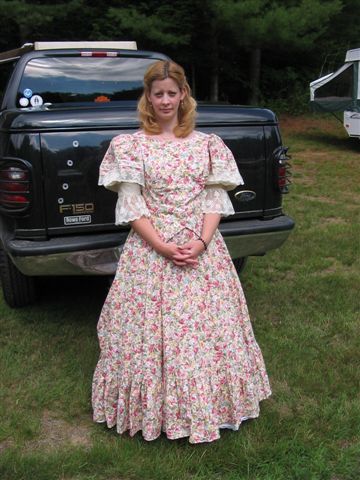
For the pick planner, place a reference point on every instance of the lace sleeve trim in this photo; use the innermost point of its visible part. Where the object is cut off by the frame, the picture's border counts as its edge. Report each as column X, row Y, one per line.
column 130, row 204
column 217, row 200
column 228, row 180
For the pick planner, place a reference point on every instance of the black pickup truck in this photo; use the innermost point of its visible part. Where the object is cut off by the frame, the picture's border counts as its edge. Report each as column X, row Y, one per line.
column 61, row 103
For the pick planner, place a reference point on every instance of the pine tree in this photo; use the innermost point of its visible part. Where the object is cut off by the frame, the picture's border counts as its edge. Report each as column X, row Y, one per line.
column 259, row 24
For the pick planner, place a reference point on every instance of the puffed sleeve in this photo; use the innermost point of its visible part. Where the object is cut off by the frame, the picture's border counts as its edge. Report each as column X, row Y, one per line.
column 130, row 204
column 122, row 163
column 223, row 169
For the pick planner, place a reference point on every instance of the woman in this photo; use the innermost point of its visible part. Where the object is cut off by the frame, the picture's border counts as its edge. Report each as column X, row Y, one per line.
column 178, row 352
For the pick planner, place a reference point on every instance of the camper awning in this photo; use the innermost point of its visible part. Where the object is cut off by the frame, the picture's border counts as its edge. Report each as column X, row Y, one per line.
column 338, row 91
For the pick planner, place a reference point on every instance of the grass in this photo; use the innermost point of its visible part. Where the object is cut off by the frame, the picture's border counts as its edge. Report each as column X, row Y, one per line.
column 304, row 304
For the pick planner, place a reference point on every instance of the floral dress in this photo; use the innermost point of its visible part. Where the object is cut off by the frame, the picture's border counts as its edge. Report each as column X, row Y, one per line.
column 178, row 353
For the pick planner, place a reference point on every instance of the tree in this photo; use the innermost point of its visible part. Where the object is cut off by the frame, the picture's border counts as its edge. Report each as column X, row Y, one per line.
column 160, row 25
column 343, row 34
column 258, row 24
column 261, row 46
column 38, row 20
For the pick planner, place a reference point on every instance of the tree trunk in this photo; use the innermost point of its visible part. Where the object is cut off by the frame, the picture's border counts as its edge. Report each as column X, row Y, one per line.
column 214, row 86
column 23, row 34
column 255, row 68
column 214, row 70
column 193, row 80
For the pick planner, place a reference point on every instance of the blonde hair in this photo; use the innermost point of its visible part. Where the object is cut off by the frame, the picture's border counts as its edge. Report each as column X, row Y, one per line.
column 161, row 70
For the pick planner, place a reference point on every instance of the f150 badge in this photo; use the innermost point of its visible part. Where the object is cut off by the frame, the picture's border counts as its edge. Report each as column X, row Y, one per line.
column 77, row 208
column 79, row 213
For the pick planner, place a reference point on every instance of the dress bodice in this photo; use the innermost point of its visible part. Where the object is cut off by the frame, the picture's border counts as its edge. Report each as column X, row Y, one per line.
column 172, row 174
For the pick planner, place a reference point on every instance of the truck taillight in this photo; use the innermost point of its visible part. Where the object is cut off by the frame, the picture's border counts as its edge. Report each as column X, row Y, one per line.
column 14, row 186
column 282, row 170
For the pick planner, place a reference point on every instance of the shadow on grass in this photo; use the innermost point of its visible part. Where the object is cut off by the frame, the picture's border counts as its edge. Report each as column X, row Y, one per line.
column 329, row 140
column 72, row 291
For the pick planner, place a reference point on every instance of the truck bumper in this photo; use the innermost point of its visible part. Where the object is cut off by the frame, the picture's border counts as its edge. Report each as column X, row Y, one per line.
column 99, row 254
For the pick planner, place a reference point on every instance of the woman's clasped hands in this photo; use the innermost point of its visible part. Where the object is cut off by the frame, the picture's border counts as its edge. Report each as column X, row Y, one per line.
column 182, row 255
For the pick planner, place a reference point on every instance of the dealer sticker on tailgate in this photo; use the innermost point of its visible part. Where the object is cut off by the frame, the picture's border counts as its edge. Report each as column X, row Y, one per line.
column 77, row 219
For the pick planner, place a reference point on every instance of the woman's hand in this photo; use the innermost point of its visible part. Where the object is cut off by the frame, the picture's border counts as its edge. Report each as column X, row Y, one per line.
column 184, row 255
column 180, row 255
column 192, row 250
column 145, row 229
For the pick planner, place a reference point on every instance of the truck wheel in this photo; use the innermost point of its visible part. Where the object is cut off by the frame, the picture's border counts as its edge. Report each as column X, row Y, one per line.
column 239, row 264
column 18, row 289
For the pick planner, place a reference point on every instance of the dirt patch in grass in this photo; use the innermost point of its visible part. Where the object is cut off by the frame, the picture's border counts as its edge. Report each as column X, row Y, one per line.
column 316, row 157
column 304, row 181
column 337, row 268
column 5, row 444
column 319, row 198
column 326, row 221
column 280, row 386
column 285, row 411
column 56, row 433
column 348, row 443
column 305, row 123
column 333, row 221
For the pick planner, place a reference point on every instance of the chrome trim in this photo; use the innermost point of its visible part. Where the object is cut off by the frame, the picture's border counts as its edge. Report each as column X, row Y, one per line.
column 87, row 262
column 104, row 261
column 255, row 244
column 241, row 193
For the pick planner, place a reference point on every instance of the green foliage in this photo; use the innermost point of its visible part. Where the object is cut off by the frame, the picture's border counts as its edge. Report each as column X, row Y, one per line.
column 159, row 26
column 32, row 18
column 213, row 39
column 257, row 25
column 344, row 29
column 263, row 23
column 286, row 79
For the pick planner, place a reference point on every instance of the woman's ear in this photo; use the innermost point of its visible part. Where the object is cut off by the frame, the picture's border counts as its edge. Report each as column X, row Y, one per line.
column 183, row 94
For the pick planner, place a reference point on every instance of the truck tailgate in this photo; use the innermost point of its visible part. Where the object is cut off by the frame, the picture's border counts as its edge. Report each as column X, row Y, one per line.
column 71, row 162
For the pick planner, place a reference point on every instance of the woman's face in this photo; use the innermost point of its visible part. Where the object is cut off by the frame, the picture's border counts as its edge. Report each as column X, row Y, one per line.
column 165, row 97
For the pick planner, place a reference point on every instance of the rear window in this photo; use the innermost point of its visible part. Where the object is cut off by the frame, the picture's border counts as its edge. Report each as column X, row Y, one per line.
column 76, row 80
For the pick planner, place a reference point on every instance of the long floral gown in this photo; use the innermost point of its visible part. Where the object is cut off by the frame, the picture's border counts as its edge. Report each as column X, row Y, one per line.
column 178, row 353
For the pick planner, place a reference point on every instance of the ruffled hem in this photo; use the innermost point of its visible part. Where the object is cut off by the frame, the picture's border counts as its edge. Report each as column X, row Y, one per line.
column 195, row 407
column 187, row 433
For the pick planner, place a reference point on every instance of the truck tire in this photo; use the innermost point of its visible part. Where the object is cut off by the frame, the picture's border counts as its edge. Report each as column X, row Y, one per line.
column 239, row 264
column 18, row 289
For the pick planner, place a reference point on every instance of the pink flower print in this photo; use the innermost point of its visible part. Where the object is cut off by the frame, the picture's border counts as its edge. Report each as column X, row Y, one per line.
column 211, row 362
column 154, row 328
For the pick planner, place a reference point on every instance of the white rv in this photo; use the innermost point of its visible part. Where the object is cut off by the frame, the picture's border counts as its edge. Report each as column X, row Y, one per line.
column 340, row 92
